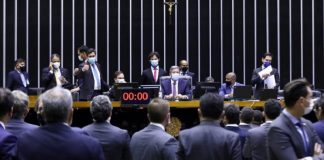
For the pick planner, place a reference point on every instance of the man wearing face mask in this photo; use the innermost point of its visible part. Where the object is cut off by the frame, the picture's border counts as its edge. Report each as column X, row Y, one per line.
column 226, row 89
column 176, row 88
column 118, row 78
column 257, row 80
column 184, row 71
column 91, row 82
column 152, row 75
column 18, row 79
column 290, row 135
column 55, row 75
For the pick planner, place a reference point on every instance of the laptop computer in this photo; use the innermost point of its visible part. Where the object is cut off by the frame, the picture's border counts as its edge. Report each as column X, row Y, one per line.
column 242, row 92
column 204, row 87
column 266, row 94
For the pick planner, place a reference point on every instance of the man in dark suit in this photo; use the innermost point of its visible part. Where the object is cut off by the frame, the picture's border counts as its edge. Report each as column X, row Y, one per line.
column 7, row 140
column 231, row 121
column 153, row 142
column 115, row 141
column 176, row 88
column 91, row 82
column 290, row 136
column 18, row 79
column 152, row 75
column 227, row 88
column 56, row 140
column 258, row 79
column 209, row 140
column 16, row 124
column 319, row 110
column 184, row 71
column 246, row 118
column 55, row 75
column 255, row 143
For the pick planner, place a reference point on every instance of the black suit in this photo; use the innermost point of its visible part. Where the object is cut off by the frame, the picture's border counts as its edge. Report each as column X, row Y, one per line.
column 147, row 76
column 14, row 81
column 192, row 75
column 49, row 81
column 86, row 82
column 259, row 83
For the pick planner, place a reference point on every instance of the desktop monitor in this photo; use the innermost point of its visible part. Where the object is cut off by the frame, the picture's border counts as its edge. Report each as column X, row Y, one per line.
column 242, row 92
column 204, row 87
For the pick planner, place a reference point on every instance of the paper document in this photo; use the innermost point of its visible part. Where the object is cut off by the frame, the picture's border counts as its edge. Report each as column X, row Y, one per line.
column 267, row 70
column 270, row 82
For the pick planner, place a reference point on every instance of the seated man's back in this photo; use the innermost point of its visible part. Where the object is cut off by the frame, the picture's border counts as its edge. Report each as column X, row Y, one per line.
column 17, row 127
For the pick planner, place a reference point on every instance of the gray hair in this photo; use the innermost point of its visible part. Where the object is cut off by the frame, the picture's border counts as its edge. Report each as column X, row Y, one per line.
column 174, row 67
column 57, row 103
column 20, row 104
column 100, row 108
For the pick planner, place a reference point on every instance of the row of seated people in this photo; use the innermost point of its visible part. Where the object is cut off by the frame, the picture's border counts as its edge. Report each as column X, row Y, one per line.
column 90, row 81
column 285, row 134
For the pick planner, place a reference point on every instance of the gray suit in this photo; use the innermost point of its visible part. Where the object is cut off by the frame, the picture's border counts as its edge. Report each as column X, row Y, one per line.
column 115, row 141
column 285, row 142
column 18, row 126
column 209, row 141
column 153, row 142
column 255, row 141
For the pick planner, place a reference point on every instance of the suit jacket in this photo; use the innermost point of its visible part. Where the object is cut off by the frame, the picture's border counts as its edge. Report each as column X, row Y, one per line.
column 242, row 132
column 285, row 142
column 49, row 81
column 153, row 142
column 259, row 83
column 14, row 81
column 18, row 126
column 208, row 141
column 7, row 144
column 192, row 75
column 184, row 87
column 86, row 82
column 224, row 89
column 254, row 146
column 115, row 141
column 147, row 76
column 245, row 126
column 57, row 141
column 319, row 128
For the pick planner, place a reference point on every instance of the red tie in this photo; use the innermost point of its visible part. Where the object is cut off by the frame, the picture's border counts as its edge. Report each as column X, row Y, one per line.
column 154, row 75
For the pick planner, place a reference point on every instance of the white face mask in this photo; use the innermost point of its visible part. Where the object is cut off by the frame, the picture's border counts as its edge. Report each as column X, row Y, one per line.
column 80, row 58
column 56, row 65
column 175, row 76
column 154, row 63
column 120, row 81
column 310, row 107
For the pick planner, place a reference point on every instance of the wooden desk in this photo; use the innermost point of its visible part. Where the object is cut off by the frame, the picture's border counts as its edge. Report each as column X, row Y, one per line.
column 173, row 104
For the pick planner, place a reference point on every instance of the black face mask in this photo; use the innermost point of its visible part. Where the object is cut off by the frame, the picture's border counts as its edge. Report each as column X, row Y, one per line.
column 228, row 83
column 184, row 69
column 22, row 69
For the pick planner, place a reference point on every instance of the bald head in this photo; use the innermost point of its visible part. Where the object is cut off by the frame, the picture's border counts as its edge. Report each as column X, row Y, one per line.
column 183, row 64
column 230, row 77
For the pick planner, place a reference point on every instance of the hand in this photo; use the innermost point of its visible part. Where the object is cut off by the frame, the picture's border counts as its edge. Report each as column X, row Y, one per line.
column 85, row 67
column 168, row 97
column 75, row 90
column 51, row 66
column 76, row 71
column 63, row 80
column 265, row 75
column 317, row 149
column 228, row 95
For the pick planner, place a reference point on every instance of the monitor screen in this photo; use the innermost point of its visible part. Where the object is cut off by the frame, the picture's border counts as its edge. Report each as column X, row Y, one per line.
column 204, row 87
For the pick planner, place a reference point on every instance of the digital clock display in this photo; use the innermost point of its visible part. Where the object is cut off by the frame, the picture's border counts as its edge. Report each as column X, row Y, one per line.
column 135, row 96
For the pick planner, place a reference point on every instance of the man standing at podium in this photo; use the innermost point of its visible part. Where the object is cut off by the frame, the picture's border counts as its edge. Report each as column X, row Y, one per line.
column 263, row 73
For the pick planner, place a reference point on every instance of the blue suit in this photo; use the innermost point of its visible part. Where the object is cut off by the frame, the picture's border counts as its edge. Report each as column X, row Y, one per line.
column 192, row 75
column 184, row 87
column 153, row 142
column 319, row 128
column 224, row 89
column 208, row 141
column 115, row 141
column 14, row 81
column 7, row 144
column 255, row 143
column 57, row 141
column 240, row 131
column 18, row 126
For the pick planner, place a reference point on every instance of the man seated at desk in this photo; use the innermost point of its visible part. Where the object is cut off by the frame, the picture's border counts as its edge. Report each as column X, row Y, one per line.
column 227, row 88
column 176, row 88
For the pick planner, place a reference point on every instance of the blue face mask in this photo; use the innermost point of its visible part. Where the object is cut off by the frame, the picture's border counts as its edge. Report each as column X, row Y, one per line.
column 266, row 64
column 175, row 76
column 92, row 60
column 154, row 63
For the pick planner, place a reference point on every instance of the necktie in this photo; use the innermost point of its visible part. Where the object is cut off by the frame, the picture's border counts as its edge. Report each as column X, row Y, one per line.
column 57, row 78
column 96, row 75
column 23, row 79
column 155, row 75
column 304, row 137
column 174, row 91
